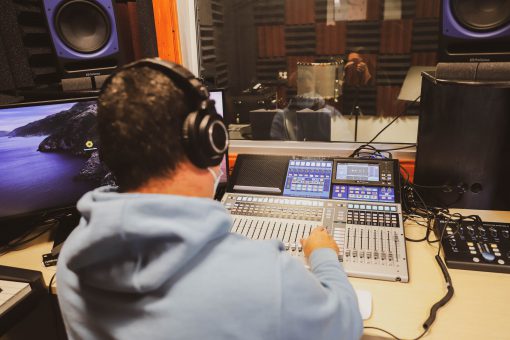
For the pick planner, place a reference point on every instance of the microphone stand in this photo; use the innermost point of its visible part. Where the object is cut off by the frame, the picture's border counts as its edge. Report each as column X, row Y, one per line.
column 356, row 110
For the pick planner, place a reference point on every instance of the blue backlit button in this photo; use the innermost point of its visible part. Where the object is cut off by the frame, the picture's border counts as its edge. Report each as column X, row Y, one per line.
column 350, row 206
column 380, row 208
column 369, row 207
column 393, row 208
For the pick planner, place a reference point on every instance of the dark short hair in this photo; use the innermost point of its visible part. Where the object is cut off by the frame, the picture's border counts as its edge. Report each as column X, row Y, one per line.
column 140, row 117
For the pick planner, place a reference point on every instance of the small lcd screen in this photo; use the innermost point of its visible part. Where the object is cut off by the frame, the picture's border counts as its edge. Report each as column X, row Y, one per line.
column 365, row 172
column 308, row 178
column 363, row 193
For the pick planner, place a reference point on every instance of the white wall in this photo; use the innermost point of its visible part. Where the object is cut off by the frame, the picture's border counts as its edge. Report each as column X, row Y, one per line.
column 188, row 34
column 403, row 130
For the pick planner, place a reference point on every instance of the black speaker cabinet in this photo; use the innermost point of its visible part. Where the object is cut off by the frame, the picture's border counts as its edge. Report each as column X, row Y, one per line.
column 84, row 35
column 463, row 151
column 475, row 31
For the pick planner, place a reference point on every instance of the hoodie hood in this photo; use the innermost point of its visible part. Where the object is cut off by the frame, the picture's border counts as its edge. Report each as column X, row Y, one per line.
column 134, row 243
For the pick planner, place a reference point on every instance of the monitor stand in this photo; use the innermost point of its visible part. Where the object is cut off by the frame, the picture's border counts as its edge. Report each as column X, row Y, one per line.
column 66, row 224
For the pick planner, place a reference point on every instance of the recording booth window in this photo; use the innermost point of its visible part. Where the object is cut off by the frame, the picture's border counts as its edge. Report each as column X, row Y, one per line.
column 316, row 70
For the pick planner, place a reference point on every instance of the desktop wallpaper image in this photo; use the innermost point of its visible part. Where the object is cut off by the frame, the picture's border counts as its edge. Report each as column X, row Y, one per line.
column 45, row 156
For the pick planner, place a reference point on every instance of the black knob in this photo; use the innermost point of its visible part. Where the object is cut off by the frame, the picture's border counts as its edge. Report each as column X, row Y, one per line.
column 494, row 232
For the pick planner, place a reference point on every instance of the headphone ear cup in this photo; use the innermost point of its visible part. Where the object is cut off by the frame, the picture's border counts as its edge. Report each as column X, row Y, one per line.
column 205, row 138
column 189, row 140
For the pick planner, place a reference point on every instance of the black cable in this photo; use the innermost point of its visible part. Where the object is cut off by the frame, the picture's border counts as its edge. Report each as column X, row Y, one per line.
column 387, row 126
column 51, row 283
column 22, row 240
column 400, row 148
column 449, row 294
column 392, row 335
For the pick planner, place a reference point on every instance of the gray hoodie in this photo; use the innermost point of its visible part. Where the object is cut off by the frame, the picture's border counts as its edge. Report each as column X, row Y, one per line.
column 146, row 266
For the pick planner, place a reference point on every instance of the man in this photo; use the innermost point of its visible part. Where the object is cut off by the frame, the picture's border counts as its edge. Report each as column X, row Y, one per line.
column 154, row 259
column 356, row 71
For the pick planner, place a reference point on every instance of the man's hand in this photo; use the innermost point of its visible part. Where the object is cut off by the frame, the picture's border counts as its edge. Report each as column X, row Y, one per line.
column 318, row 238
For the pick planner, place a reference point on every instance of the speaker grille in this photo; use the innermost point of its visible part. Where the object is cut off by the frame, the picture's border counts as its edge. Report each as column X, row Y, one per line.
column 481, row 15
column 262, row 172
column 83, row 26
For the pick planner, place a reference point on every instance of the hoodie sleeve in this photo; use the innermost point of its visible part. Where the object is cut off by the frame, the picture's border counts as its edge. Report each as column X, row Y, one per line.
column 318, row 305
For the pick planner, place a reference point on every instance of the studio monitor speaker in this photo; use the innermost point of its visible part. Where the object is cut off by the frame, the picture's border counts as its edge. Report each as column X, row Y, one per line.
column 84, row 35
column 475, row 30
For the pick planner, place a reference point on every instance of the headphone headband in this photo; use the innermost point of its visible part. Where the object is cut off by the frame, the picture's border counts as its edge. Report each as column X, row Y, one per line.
column 183, row 79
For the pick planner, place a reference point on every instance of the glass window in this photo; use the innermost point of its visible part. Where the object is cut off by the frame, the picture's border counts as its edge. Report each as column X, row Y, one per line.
column 317, row 70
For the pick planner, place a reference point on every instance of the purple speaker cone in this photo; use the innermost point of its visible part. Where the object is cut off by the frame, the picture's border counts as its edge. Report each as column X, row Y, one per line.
column 64, row 51
column 452, row 28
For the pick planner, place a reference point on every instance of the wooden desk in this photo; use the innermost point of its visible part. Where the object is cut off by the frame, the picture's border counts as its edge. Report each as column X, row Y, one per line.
column 478, row 310
column 30, row 257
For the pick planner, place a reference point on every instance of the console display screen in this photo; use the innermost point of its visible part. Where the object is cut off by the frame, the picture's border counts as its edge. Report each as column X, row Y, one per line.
column 363, row 193
column 366, row 172
column 308, row 178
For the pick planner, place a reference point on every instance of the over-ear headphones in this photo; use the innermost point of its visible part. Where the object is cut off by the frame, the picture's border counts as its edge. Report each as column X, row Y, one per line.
column 204, row 135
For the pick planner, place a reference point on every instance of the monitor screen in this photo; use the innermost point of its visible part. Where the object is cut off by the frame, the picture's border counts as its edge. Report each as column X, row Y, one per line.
column 47, row 155
column 308, row 178
column 365, row 172
column 217, row 96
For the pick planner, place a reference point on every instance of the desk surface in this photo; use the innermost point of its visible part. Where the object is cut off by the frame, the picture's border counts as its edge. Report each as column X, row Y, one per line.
column 478, row 310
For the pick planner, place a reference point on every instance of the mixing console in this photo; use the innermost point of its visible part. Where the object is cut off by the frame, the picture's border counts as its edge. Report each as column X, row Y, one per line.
column 370, row 236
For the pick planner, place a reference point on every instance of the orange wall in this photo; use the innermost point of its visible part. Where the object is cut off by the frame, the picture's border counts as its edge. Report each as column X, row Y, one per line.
column 167, row 30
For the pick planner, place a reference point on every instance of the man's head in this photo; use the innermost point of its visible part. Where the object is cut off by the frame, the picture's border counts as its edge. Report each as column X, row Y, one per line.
column 140, row 118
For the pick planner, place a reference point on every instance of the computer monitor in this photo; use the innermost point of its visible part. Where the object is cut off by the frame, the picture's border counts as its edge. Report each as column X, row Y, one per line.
column 48, row 158
column 218, row 97
column 48, row 155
